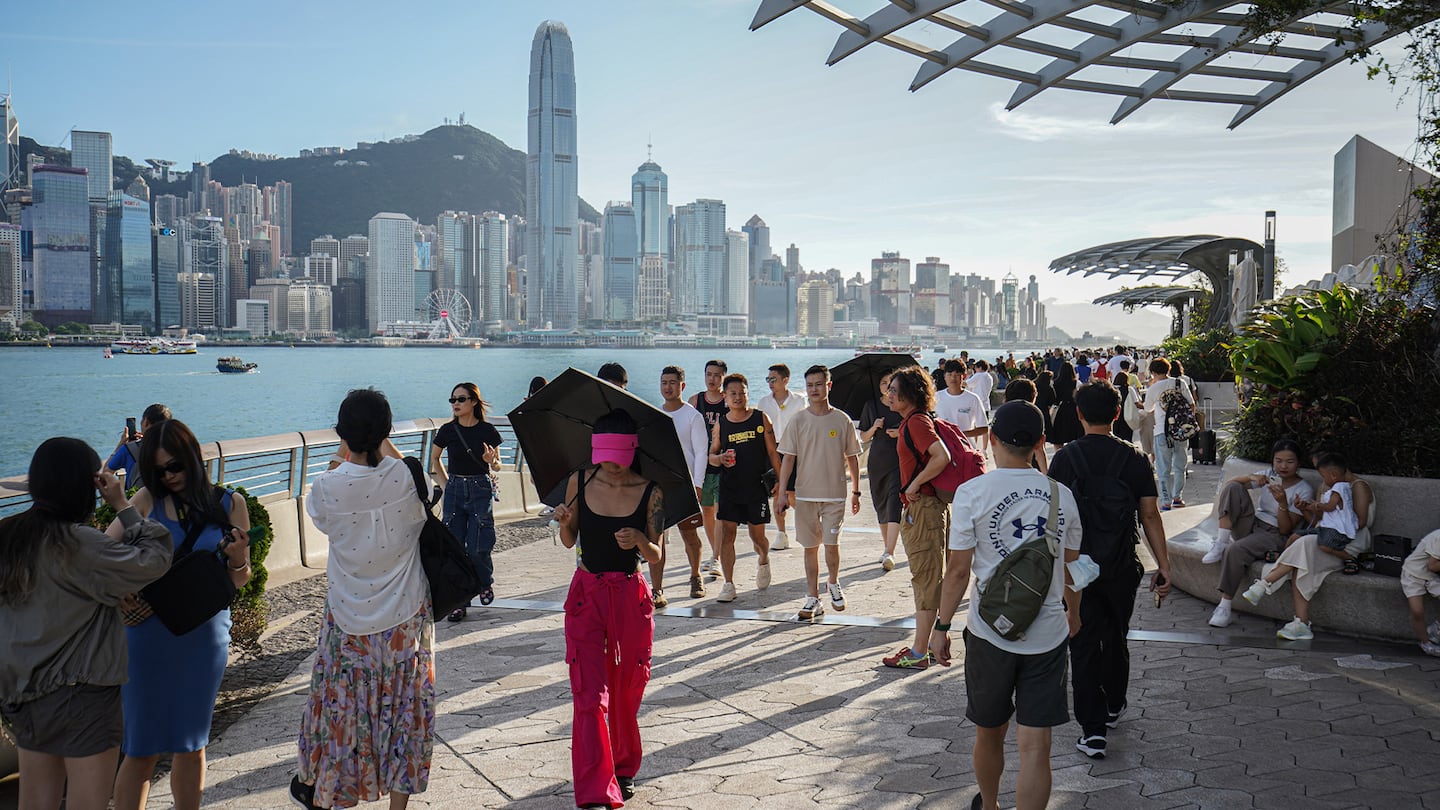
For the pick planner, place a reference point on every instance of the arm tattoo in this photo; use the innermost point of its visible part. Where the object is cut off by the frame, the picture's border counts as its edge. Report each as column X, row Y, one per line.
column 655, row 515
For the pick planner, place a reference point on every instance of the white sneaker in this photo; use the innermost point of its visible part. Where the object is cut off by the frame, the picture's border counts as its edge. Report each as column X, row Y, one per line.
column 837, row 596
column 1296, row 630
column 1430, row 648
column 811, row 608
column 1221, row 616
column 1434, row 631
column 1256, row 592
column 1217, row 550
column 779, row 542
column 887, row 561
column 727, row 593
column 711, row 568
column 762, row 576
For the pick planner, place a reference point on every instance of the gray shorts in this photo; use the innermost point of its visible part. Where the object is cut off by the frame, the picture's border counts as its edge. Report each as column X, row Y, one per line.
column 1001, row 684
column 79, row 720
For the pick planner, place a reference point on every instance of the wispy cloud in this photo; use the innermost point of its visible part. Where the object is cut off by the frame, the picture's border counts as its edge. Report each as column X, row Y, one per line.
column 169, row 43
column 1037, row 128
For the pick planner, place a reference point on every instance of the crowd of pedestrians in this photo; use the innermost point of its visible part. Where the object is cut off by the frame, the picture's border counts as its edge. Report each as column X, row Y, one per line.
column 1061, row 512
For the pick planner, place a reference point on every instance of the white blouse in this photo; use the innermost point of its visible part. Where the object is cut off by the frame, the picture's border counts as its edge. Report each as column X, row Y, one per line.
column 373, row 520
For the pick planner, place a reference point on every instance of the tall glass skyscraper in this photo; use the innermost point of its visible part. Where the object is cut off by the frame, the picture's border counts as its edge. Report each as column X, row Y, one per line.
column 650, row 197
column 494, row 260
column 127, row 281
column 9, row 146
column 700, row 248
column 552, row 200
column 94, row 152
column 59, row 259
column 169, row 251
column 390, row 272
column 622, row 262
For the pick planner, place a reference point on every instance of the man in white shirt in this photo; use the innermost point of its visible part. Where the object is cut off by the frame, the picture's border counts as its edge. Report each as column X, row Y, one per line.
column 1113, row 364
column 1170, row 456
column 819, row 448
column 695, row 441
column 781, row 405
column 959, row 406
column 1022, row 679
column 981, row 383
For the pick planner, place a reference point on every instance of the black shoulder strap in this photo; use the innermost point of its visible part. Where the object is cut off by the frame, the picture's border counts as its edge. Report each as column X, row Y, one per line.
column 418, row 473
column 1116, row 467
column 1078, row 464
column 194, row 528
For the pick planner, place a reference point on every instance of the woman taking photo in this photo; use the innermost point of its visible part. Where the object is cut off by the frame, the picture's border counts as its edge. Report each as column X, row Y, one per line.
column 64, row 646
column 881, row 427
column 473, row 447
column 368, row 727
column 174, row 680
column 617, row 517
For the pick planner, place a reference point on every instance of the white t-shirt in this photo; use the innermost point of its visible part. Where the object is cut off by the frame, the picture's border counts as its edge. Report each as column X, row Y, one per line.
column 1156, row 391
column 994, row 514
column 981, row 383
column 1344, row 519
column 963, row 409
column 1113, row 364
column 373, row 520
column 1268, row 509
column 694, row 438
column 781, row 413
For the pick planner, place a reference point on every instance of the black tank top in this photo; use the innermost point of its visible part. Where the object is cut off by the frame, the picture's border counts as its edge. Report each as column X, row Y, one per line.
column 599, row 551
column 742, row 483
column 713, row 413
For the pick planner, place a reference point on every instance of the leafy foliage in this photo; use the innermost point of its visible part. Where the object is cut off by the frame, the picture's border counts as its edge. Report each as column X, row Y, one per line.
column 1206, row 355
column 1353, row 374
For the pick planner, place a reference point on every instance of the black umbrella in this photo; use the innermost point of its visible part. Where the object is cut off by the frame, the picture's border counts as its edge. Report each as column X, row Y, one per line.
column 554, row 427
column 857, row 380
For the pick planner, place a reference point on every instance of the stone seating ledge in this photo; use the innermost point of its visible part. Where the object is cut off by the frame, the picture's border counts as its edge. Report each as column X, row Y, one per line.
column 1365, row 605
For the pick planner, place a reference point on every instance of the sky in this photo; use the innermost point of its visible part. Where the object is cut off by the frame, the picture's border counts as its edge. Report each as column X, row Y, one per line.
column 842, row 161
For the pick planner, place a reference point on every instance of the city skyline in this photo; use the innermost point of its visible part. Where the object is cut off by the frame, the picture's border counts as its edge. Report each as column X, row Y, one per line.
column 813, row 149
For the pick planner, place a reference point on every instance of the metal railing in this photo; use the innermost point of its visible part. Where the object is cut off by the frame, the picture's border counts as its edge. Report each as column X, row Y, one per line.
column 283, row 466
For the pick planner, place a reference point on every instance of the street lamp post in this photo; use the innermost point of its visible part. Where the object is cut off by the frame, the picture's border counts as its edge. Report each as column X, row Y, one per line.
column 1267, row 284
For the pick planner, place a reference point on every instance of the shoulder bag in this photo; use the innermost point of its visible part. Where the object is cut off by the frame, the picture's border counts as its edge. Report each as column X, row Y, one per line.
column 448, row 567
column 197, row 586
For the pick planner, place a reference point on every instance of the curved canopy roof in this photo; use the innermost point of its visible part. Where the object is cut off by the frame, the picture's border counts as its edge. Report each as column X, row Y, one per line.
column 1139, row 50
column 1158, row 295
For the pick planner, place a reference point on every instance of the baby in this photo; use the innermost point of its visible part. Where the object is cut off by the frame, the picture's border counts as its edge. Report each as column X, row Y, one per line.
column 1420, row 576
column 1338, row 524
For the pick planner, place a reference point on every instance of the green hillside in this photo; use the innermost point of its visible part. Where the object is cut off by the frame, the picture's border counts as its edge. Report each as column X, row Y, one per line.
column 420, row 178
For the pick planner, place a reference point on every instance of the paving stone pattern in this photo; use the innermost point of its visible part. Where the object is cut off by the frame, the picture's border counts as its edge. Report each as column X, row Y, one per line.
column 745, row 713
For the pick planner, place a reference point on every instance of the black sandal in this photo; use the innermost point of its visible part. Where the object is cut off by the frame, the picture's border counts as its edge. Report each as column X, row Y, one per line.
column 1350, row 566
column 487, row 596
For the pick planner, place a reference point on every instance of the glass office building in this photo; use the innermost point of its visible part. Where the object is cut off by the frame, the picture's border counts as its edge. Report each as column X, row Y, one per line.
column 552, row 201
column 59, row 258
column 126, row 292
column 94, row 152
column 622, row 262
column 169, row 250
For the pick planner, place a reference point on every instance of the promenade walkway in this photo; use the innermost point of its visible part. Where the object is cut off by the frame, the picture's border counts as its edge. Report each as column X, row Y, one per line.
column 749, row 707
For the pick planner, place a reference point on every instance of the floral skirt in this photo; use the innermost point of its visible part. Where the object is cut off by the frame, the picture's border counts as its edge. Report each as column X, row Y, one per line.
column 368, row 727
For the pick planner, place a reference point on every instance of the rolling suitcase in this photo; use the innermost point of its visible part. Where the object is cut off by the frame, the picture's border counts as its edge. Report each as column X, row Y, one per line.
column 1205, row 440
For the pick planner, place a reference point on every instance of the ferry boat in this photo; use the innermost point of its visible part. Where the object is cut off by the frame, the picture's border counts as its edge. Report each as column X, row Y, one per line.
column 153, row 346
column 884, row 348
column 234, row 365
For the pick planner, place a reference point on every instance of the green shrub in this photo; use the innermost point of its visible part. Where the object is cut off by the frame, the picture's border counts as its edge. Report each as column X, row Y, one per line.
column 1346, row 371
column 1206, row 354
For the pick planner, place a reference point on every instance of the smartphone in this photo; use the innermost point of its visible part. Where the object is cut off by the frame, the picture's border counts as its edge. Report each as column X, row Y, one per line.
column 1155, row 582
column 130, row 427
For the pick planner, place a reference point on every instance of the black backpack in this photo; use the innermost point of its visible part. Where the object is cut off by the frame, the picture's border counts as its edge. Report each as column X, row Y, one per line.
column 1018, row 588
column 1108, row 514
column 448, row 567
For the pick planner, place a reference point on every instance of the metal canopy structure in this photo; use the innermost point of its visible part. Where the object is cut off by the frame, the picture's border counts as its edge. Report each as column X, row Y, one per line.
column 1139, row 50
column 1168, row 257
column 1153, row 296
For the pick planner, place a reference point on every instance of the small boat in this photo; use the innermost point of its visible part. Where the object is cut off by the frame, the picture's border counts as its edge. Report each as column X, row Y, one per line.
column 108, row 354
column 234, row 365
column 940, row 348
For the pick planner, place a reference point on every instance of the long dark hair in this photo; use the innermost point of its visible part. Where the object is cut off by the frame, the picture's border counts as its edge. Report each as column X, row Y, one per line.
column 481, row 406
column 197, row 501
column 61, row 480
column 364, row 422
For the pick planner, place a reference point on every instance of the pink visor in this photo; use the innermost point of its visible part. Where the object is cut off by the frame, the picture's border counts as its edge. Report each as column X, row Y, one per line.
column 616, row 447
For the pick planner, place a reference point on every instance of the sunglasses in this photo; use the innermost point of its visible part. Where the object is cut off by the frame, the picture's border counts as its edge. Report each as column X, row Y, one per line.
column 175, row 467
column 456, row 400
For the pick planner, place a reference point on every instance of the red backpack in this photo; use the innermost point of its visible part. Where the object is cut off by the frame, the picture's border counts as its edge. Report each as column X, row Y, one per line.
column 966, row 462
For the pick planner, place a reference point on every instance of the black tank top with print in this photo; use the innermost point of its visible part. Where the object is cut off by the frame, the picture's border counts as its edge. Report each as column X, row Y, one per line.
column 742, row 483
column 713, row 413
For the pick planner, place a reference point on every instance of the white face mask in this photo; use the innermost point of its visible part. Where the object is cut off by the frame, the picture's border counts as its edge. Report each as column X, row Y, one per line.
column 1083, row 571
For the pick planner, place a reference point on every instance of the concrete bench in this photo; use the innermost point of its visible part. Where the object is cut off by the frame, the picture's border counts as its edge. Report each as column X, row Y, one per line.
column 1366, row 604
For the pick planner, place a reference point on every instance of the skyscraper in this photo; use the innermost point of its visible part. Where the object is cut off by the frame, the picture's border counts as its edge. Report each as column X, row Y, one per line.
column 650, row 197
column 759, row 234
column 280, row 199
column 10, row 279
column 931, row 304
column 168, row 250
column 59, row 223
column 737, row 273
column 816, row 309
column 94, row 152
column 127, row 288
column 390, row 272
column 493, row 262
column 552, row 201
column 890, row 292
column 9, row 145
column 209, row 257
column 622, row 262
column 700, row 257
column 353, row 247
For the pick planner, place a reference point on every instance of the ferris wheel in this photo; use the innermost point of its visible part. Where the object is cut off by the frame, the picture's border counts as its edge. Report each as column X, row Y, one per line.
column 449, row 314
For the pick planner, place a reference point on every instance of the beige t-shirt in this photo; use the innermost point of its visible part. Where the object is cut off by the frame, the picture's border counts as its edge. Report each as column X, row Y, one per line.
column 820, row 444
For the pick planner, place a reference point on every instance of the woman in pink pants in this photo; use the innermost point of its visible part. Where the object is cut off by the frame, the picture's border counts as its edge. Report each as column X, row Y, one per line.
column 617, row 517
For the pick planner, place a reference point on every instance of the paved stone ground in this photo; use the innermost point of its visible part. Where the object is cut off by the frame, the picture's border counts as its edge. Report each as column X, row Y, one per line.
column 748, row 705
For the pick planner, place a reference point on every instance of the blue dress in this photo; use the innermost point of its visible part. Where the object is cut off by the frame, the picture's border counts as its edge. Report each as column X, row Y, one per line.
column 170, row 697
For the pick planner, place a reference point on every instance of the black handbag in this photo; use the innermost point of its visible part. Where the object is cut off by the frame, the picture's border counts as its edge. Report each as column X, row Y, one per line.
column 197, row 586
column 452, row 575
column 1390, row 553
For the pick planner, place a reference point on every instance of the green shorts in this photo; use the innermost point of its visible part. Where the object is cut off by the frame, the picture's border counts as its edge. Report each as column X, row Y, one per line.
column 710, row 493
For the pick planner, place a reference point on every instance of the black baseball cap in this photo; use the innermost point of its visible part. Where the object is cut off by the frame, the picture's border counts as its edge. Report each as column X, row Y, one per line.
column 1018, row 424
